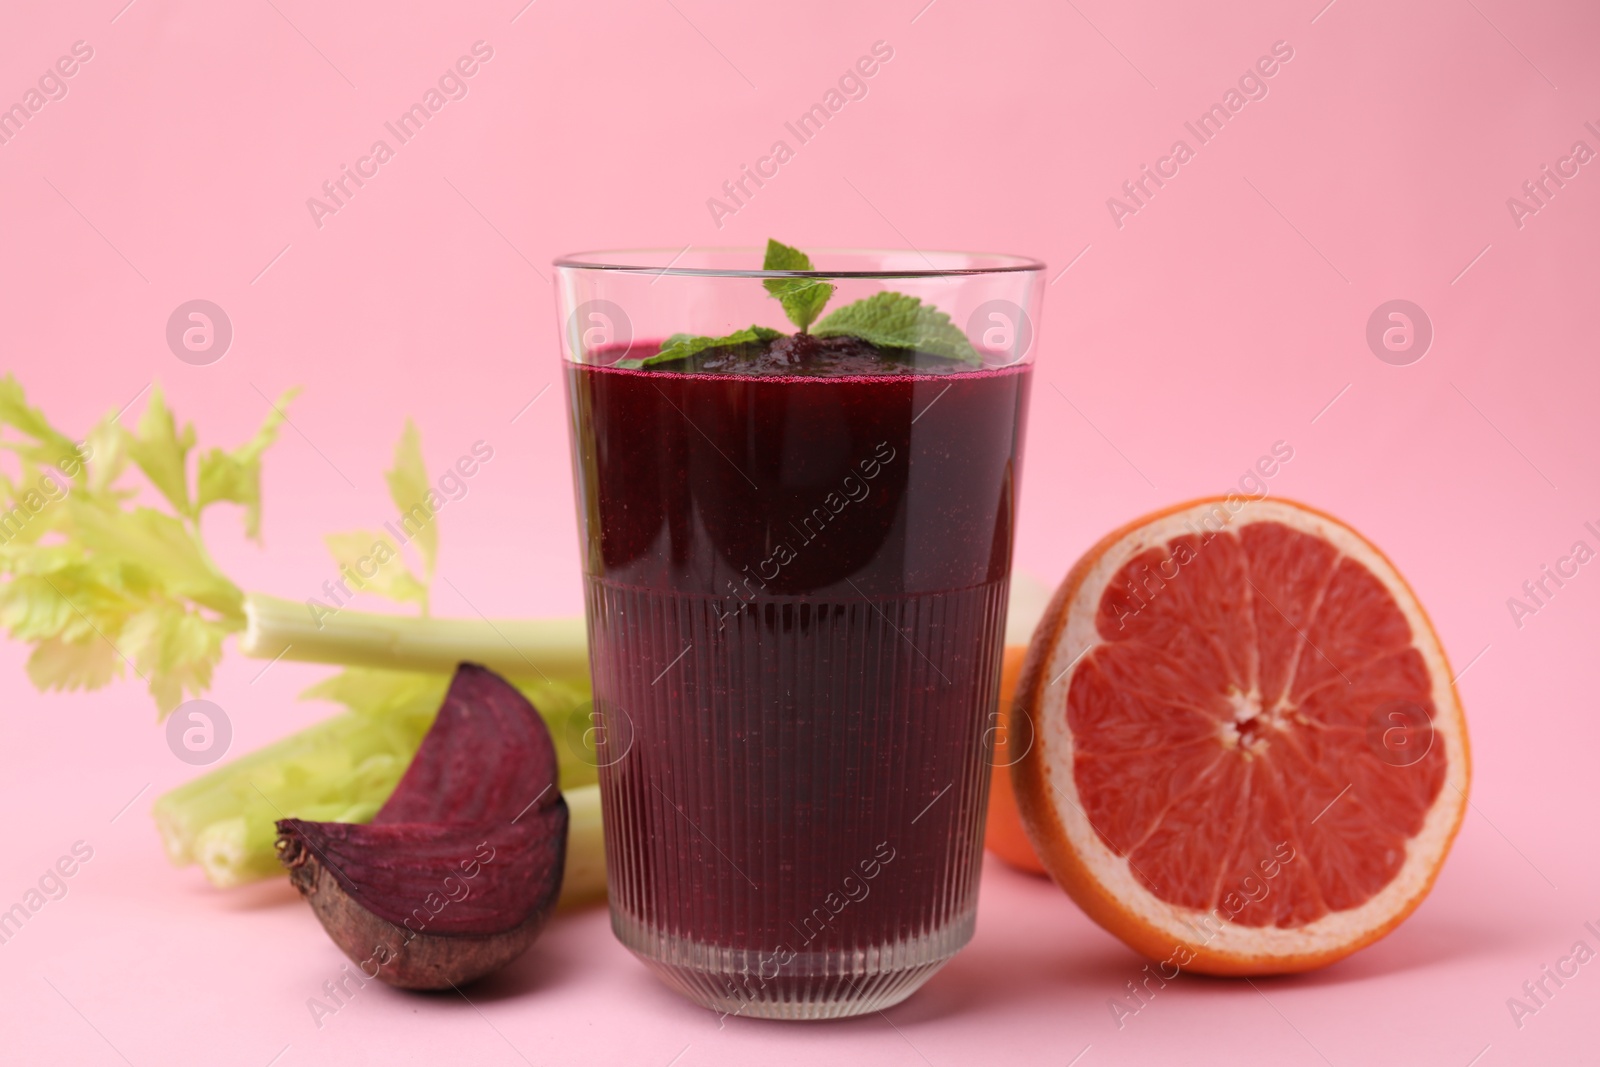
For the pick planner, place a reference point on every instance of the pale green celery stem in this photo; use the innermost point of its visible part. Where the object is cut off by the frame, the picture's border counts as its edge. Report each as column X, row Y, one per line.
column 546, row 649
column 332, row 771
column 584, row 879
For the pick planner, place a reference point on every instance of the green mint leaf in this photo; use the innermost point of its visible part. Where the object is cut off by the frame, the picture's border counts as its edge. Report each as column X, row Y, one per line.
column 802, row 298
column 895, row 320
column 683, row 345
column 671, row 342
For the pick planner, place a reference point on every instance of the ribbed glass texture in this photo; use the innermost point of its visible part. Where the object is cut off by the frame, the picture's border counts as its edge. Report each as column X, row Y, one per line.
column 794, row 802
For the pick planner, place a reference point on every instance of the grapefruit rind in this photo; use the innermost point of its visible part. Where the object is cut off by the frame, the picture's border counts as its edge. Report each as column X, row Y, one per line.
column 1102, row 882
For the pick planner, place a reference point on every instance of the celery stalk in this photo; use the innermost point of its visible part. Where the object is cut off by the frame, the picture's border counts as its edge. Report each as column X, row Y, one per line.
column 553, row 650
column 584, row 880
column 349, row 761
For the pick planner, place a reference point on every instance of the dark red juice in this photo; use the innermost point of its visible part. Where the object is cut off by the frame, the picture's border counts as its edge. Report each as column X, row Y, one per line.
column 796, row 589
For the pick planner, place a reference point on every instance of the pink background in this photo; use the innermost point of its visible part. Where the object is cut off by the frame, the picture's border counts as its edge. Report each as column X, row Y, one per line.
column 1224, row 316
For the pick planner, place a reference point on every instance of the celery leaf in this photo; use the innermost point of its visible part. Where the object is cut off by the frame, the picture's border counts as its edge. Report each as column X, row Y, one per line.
column 236, row 476
column 163, row 453
column 160, row 549
column 371, row 561
column 53, row 447
column 57, row 663
column 409, row 489
column 174, row 648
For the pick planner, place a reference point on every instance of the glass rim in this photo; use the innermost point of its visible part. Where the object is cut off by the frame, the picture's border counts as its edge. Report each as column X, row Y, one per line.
column 613, row 261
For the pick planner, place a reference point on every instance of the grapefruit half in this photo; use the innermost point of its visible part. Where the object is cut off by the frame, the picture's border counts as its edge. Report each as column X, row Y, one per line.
column 1248, row 754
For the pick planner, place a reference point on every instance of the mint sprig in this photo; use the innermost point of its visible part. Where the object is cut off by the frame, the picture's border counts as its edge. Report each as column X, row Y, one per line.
column 802, row 298
column 888, row 320
column 895, row 320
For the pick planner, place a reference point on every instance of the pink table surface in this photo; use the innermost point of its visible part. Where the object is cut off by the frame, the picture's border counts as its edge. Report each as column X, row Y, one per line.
column 1228, row 313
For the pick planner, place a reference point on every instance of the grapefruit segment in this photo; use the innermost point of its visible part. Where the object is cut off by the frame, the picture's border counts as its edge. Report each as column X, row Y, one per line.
column 1248, row 754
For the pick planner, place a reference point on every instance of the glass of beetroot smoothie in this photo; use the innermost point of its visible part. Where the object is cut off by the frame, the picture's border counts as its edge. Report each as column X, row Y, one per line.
column 796, row 491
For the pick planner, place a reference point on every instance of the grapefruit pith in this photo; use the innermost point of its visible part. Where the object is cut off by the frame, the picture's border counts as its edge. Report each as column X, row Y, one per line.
column 1248, row 754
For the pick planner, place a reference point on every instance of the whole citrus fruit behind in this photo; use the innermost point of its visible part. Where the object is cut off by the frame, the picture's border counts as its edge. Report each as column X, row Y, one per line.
column 1248, row 756
column 1003, row 832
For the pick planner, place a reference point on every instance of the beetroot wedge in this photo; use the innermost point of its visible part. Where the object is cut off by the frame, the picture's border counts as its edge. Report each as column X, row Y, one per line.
column 488, row 756
column 457, row 873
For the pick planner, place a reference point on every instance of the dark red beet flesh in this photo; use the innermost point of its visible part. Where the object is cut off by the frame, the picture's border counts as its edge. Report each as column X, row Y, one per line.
column 458, row 871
